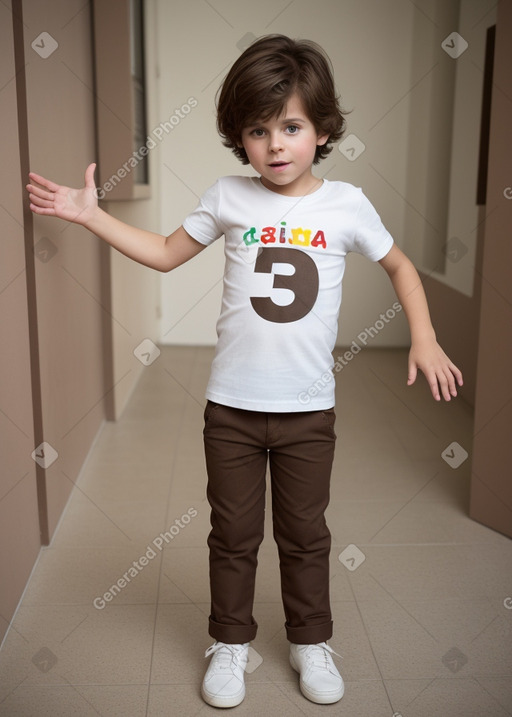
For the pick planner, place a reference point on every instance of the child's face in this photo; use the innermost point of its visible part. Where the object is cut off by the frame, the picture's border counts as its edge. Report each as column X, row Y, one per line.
column 282, row 150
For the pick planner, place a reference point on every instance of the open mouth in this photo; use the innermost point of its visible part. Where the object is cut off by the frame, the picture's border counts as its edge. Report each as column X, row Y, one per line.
column 279, row 165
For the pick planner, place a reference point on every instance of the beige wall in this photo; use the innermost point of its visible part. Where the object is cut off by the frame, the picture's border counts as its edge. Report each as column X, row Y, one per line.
column 134, row 301
column 135, row 289
column 19, row 522
column 491, row 487
column 60, row 319
column 442, row 181
column 60, row 108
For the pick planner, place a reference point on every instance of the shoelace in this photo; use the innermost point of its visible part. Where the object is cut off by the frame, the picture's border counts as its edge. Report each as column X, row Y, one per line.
column 317, row 655
column 231, row 653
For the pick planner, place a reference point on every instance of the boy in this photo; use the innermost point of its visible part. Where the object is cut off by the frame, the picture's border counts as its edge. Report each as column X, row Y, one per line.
column 286, row 237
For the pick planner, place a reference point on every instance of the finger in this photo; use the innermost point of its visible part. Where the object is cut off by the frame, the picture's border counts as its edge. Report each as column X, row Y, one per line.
column 434, row 388
column 412, row 373
column 38, row 193
column 433, row 382
column 44, row 182
column 451, row 384
column 457, row 373
column 89, row 176
column 42, row 210
column 41, row 202
column 454, row 376
column 446, row 380
column 445, row 387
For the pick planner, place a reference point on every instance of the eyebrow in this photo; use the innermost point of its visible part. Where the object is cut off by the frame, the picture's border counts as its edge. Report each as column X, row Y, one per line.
column 286, row 120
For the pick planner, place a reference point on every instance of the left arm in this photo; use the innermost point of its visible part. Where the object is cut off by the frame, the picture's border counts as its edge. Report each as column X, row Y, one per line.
column 425, row 354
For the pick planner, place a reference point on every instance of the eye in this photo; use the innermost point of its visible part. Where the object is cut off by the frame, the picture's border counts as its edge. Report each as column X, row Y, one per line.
column 292, row 129
column 257, row 132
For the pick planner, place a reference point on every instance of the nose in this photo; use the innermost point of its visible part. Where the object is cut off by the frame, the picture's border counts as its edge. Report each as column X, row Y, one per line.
column 275, row 143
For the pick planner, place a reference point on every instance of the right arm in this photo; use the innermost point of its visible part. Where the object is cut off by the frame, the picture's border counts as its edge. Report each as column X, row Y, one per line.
column 81, row 207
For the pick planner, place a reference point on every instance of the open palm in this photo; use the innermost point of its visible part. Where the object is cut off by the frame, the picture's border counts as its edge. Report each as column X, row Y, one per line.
column 73, row 205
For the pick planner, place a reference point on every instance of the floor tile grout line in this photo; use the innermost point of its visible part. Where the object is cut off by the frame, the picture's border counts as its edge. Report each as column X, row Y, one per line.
column 363, row 622
column 185, row 398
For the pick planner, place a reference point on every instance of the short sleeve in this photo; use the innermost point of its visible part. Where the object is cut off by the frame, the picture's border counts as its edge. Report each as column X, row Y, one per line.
column 203, row 224
column 371, row 239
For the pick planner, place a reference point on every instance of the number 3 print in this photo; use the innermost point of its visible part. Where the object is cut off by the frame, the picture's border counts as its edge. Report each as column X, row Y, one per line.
column 303, row 283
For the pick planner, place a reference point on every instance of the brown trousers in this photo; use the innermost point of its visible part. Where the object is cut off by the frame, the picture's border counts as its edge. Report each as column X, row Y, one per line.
column 299, row 448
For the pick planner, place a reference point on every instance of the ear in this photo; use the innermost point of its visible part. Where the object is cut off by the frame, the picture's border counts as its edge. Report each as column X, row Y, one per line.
column 322, row 139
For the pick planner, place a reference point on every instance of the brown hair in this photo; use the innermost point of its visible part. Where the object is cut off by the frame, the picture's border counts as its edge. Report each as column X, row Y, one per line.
column 261, row 81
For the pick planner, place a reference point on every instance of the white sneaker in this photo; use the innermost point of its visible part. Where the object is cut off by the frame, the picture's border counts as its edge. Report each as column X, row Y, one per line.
column 320, row 681
column 223, row 684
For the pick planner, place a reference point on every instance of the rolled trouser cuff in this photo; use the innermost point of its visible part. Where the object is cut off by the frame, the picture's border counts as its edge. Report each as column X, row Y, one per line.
column 232, row 634
column 310, row 634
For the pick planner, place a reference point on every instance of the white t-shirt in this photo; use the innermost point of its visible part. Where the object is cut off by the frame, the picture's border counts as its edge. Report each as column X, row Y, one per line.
column 285, row 258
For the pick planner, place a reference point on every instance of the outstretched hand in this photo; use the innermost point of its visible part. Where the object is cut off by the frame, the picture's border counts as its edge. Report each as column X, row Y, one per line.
column 442, row 375
column 73, row 205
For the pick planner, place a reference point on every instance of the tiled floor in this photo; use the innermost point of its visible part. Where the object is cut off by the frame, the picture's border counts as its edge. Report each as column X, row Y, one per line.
column 421, row 622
